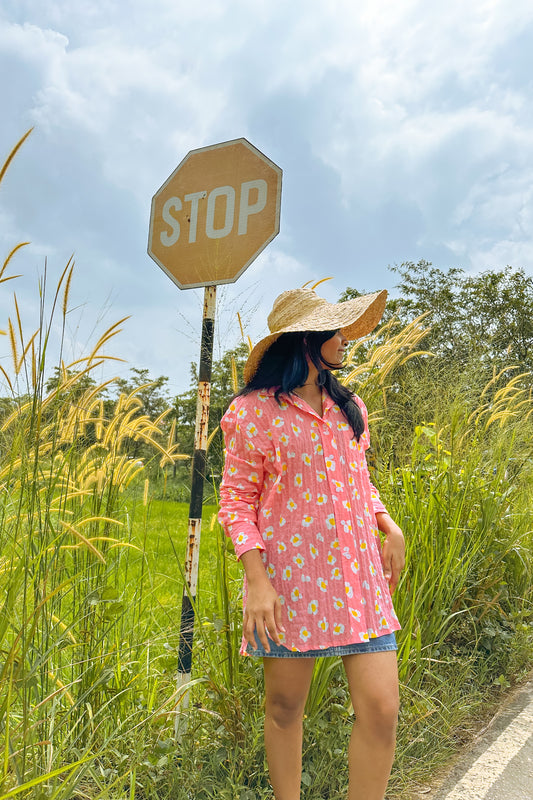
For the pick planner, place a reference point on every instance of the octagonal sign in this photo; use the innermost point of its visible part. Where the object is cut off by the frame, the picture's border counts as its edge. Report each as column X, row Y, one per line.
column 214, row 215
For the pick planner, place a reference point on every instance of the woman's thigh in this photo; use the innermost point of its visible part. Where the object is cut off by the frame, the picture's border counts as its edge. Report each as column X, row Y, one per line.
column 287, row 681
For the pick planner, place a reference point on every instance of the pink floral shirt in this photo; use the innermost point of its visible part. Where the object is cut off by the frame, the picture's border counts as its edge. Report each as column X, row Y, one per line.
column 296, row 486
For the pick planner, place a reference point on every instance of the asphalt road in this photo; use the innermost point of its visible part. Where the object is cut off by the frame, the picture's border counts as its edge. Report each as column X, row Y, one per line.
column 499, row 764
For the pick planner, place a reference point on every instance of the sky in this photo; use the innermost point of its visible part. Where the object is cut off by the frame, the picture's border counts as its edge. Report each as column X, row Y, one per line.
column 404, row 130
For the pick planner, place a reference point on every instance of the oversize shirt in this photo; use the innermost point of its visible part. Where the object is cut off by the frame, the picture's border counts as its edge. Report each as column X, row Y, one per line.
column 296, row 486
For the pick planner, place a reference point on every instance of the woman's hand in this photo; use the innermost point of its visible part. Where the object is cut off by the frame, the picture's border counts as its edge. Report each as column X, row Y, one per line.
column 263, row 606
column 393, row 550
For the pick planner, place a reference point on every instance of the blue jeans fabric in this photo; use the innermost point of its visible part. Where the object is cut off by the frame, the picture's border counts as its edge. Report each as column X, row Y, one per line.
column 377, row 645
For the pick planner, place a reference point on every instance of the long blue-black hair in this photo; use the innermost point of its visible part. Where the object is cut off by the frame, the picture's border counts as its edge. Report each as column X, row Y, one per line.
column 284, row 367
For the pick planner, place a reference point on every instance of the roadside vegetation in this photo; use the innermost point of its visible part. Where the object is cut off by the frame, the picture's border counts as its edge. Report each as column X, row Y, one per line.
column 94, row 484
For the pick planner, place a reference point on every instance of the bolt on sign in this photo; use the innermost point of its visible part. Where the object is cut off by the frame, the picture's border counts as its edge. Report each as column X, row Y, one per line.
column 214, row 215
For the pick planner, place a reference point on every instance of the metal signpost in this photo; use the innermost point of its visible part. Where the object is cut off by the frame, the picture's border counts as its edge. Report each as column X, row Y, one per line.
column 212, row 217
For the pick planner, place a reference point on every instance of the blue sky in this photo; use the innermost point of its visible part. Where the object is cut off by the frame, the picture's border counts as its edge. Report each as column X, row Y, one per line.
column 404, row 130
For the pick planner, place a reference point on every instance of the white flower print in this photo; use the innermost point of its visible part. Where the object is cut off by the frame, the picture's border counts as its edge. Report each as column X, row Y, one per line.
column 313, row 607
column 305, row 633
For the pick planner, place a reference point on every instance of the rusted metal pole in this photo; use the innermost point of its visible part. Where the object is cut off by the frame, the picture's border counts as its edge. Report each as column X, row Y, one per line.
column 195, row 507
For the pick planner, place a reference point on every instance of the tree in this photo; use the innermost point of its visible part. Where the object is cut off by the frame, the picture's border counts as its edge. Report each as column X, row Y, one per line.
column 485, row 318
column 150, row 391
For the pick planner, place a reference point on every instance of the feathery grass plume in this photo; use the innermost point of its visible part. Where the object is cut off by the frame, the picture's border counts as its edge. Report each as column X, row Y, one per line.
column 384, row 351
column 13, row 153
column 66, row 292
column 15, row 249
column 63, row 479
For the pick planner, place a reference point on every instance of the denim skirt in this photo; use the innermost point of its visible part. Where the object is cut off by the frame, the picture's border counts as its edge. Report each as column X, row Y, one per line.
column 376, row 645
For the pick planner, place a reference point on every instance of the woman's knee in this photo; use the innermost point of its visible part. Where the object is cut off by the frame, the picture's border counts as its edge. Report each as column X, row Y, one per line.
column 284, row 709
column 379, row 716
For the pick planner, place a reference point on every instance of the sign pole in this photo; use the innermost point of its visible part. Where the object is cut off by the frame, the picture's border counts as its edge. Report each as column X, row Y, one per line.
column 195, row 506
column 209, row 220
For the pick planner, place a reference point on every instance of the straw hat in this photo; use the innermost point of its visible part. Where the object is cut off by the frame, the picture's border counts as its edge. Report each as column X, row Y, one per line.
column 303, row 310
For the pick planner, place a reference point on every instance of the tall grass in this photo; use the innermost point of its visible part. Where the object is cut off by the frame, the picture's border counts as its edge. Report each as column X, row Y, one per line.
column 78, row 652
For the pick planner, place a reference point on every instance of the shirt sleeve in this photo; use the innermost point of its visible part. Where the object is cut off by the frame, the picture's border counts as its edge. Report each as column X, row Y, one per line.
column 242, row 483
column 374, row 494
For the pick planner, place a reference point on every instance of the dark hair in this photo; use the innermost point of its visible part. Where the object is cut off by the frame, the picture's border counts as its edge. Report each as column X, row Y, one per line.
column 284, row 367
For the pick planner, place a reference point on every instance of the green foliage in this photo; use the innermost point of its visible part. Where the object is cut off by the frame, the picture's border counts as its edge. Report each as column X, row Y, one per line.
column 486, row 317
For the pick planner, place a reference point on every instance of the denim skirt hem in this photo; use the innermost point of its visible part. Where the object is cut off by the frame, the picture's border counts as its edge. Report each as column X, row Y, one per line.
column 376, row 645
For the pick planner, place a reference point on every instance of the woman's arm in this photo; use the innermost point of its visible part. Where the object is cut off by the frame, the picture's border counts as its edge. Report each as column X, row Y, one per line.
column 263, row 606
column 393, row 552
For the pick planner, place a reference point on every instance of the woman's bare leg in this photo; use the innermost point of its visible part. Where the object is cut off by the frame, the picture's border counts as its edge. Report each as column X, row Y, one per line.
column 287, row 682
column 373, row 685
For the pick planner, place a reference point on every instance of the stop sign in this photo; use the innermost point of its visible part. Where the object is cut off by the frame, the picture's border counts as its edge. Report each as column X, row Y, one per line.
column 216, row 212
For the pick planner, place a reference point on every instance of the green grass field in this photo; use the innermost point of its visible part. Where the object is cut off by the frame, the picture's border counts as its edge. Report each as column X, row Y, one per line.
column 160, row 532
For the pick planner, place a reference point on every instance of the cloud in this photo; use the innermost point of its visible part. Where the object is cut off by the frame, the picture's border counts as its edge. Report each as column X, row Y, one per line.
column 404, row 131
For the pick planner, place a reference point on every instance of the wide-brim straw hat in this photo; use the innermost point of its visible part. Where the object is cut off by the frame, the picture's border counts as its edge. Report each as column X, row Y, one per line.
column 298, row 310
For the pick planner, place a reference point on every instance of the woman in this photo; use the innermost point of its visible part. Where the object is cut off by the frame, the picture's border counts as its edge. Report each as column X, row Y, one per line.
column 305, row 520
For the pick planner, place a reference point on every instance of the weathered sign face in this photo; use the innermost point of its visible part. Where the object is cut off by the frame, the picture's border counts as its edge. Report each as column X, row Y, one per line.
column 214, row 215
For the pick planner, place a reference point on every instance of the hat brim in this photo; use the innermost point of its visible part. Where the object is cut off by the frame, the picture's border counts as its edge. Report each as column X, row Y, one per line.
column 354, row 318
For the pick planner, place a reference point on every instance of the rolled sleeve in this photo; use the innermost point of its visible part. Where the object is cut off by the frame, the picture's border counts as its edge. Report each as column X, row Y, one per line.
column 241, row 487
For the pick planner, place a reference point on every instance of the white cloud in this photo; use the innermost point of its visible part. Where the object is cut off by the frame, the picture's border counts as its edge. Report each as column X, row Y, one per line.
column 404, row 130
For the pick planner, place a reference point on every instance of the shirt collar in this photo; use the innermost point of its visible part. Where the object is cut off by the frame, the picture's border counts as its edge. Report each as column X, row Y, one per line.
column 294, row 400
